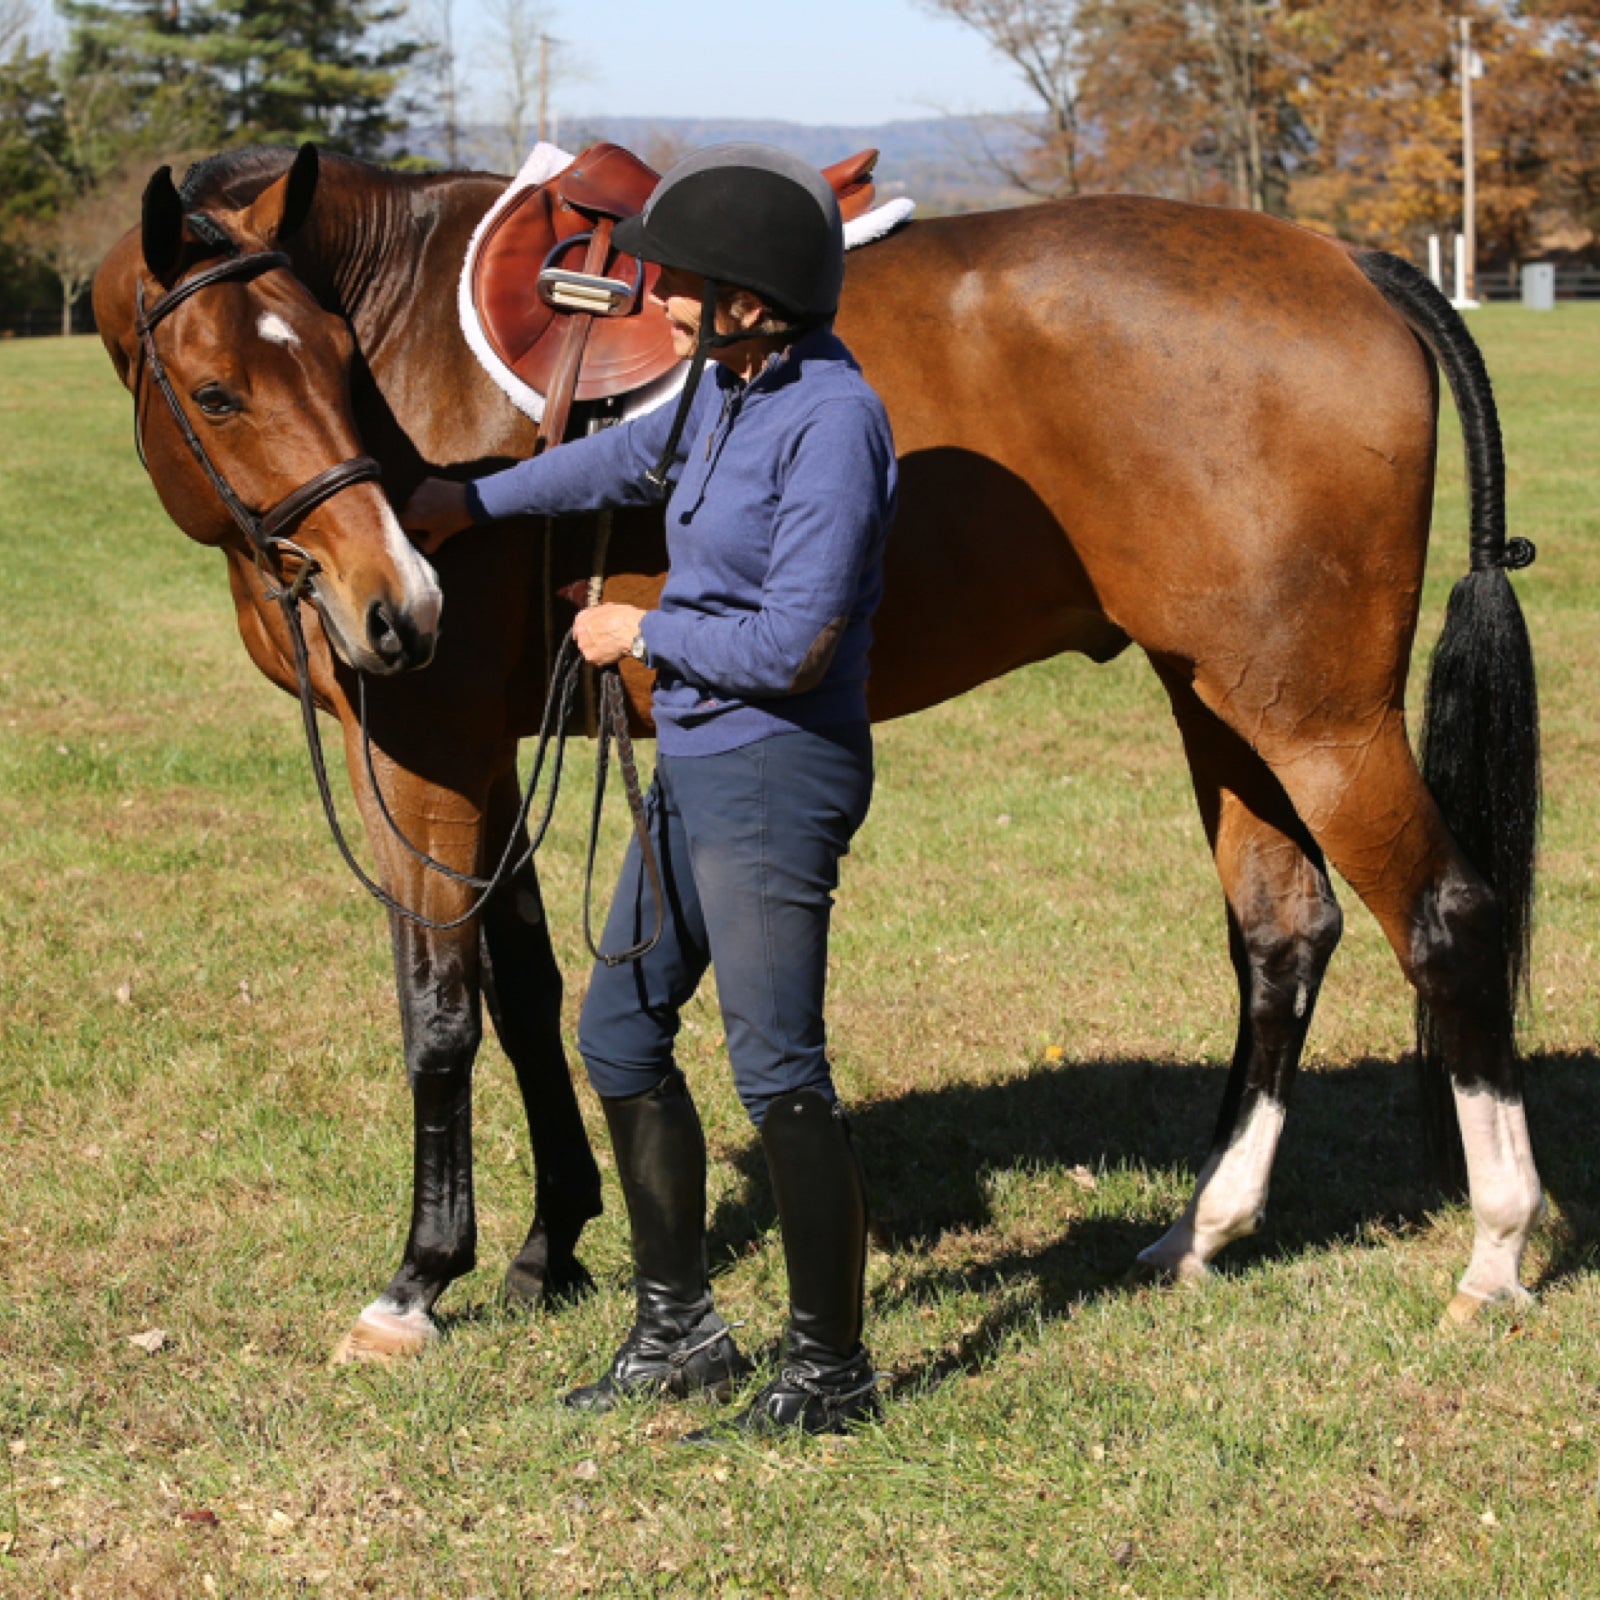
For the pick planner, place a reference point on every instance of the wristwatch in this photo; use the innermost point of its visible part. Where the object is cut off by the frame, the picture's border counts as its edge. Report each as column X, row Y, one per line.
column 636, row 649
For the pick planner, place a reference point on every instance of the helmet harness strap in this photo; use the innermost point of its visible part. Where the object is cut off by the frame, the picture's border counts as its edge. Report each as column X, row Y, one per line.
column 707, row 340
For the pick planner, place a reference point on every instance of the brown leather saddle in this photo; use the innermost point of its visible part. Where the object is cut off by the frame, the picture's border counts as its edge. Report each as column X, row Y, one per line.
column 568, row 315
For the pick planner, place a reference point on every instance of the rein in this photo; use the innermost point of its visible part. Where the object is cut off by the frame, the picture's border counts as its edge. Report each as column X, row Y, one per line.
column 267, row 532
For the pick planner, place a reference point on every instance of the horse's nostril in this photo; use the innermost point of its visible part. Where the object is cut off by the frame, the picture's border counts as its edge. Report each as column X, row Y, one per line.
column 382, row 633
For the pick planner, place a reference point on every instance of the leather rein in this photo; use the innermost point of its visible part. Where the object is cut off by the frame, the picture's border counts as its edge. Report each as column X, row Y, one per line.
column 266, row 533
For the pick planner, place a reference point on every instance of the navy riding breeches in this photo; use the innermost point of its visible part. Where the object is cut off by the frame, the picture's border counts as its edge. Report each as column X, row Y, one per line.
column 749, row 843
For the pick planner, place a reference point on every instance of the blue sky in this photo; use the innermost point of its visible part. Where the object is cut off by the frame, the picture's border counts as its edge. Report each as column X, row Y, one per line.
column 821, row 61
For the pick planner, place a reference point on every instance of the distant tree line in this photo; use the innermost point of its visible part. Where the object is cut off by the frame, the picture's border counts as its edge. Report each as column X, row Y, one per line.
column 1343, row 114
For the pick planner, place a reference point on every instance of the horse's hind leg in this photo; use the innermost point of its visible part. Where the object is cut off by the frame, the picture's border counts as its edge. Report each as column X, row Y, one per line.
column 1283, row 926
column 1364, row 800
column 523, row 987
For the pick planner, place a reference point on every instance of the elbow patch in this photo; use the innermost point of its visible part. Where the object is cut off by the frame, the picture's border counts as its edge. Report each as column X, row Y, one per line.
column 819, row 657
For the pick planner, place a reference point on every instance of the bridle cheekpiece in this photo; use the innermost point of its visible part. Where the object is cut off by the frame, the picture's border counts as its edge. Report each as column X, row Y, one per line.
column 265, row 531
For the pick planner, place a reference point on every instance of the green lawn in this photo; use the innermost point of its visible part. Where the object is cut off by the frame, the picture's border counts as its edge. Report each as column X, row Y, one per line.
column 206, row 1132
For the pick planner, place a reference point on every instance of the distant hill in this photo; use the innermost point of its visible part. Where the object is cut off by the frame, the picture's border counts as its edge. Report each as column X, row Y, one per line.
column 938, row 161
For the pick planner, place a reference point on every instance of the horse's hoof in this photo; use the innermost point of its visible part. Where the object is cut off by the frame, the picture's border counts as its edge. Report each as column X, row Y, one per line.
column 385, row 1335
column 1147, row 1275
column 530, row 1287
column 1462, row 1311
column 1155, row 1272
column 1466, row 1307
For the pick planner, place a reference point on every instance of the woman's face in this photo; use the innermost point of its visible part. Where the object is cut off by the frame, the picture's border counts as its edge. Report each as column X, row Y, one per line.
column 679, row 294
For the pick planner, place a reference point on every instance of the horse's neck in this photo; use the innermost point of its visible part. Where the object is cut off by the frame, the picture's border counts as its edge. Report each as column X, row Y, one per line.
column 390, row 253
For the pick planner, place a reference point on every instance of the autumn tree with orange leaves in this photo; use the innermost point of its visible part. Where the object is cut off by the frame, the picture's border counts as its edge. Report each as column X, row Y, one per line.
column 1344, row 114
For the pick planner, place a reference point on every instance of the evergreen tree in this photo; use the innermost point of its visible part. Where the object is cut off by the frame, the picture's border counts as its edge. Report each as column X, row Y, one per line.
column 306, row 69
column 252, row 70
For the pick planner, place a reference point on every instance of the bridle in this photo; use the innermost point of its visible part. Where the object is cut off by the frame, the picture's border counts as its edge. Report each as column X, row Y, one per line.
column 266, row 533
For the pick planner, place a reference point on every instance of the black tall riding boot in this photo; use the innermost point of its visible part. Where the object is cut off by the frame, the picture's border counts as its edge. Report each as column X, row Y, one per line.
column 827, row 1382
column 678, row 1345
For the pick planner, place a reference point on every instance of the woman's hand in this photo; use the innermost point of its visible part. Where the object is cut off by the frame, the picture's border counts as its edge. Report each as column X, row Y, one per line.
column 435, row 512
column 606, row 633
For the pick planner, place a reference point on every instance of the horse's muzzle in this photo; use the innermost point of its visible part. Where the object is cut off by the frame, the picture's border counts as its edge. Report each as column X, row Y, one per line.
column 396, row 639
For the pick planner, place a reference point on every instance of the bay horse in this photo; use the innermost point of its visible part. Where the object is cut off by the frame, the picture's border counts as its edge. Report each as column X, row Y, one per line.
column 1122, row 421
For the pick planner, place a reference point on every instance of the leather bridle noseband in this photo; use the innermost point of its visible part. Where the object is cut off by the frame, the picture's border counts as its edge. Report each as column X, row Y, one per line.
column 265, row 531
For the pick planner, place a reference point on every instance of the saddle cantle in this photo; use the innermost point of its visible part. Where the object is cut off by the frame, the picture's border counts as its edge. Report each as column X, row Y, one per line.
column 553, row 223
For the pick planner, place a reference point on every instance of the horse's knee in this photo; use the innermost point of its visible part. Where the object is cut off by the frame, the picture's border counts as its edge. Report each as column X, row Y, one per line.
column 441, row 1048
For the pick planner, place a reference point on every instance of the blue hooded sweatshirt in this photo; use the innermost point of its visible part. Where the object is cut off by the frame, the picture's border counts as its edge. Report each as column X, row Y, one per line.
column 783, row 493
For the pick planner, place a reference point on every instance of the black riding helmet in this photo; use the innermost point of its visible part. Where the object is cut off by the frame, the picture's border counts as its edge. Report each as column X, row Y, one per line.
column 749, row 217
column 743, row 216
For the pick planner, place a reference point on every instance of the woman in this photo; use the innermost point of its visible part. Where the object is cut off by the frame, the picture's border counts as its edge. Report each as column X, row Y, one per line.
column 782, row 483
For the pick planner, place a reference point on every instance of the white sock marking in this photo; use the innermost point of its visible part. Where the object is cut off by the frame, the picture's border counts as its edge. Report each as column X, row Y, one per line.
column 1507, row 1198
column 1229, row 1198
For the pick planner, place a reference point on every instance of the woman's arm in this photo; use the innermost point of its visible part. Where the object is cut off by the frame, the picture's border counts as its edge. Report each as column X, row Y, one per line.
column 602, row 469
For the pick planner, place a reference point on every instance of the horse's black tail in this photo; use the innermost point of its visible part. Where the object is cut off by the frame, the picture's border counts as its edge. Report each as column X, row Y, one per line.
column 1480, row 727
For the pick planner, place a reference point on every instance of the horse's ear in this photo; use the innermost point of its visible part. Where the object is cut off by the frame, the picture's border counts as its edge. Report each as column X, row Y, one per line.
column 280, row 210
column 163, row 226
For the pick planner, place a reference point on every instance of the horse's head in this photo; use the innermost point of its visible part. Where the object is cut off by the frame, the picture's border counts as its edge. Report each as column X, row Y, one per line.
column 262, row 375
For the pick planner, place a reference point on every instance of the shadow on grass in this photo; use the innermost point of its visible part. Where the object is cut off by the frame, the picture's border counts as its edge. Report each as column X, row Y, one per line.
column 1351, row 1161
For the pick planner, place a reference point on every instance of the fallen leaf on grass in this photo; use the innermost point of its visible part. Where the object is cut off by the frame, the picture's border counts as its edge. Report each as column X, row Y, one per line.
column 150, row 1341
column 200, row 1517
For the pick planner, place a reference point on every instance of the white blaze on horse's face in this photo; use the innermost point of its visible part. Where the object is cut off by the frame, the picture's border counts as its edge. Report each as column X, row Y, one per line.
column 275, row 330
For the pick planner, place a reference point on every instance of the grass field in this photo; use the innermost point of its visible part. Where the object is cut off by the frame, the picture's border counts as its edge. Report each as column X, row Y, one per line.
column 205, row 1132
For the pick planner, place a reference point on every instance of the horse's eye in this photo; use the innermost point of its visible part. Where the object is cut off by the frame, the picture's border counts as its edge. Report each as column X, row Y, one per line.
column 216, row 401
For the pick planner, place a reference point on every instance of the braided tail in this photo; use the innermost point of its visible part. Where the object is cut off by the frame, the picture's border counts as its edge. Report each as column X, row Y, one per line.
column 1480, row 726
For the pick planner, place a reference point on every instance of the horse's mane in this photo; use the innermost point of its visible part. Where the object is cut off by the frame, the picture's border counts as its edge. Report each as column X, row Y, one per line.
column 233, row 177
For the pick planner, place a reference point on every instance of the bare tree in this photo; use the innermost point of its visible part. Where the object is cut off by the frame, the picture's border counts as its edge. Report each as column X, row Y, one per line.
column 525, row 56
column 1041, row 39
column 440, row 70
column 74, row 240
column 1232, row 30
column 17, row 18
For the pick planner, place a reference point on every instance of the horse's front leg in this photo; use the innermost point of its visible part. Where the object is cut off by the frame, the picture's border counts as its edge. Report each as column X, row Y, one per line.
column 438, row 982
column 437, row 975
column 523, row 987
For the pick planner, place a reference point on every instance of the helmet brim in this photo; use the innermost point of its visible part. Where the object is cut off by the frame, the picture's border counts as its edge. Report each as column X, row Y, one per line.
column 630, row 237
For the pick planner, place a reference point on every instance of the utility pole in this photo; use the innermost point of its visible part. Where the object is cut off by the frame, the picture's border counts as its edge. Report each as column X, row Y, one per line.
column 1469, row 176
